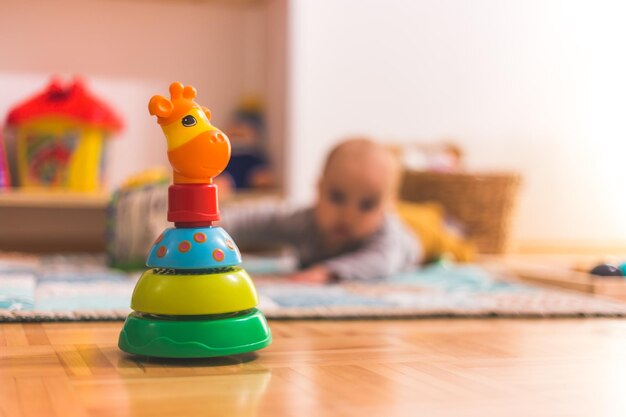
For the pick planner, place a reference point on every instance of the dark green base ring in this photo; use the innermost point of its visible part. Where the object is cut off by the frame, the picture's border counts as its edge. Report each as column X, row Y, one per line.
column 201, row 337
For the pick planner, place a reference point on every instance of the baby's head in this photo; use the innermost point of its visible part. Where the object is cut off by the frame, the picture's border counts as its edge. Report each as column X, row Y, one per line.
column 358, row 185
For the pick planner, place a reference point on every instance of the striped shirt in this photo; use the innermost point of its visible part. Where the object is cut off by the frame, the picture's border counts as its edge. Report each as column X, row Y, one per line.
column 393, row 248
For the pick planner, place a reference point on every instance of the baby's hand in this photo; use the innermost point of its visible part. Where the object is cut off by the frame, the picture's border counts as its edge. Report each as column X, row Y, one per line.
column 314, row 275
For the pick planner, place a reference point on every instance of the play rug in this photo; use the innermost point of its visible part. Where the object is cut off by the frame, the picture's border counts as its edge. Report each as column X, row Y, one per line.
column 77, row 288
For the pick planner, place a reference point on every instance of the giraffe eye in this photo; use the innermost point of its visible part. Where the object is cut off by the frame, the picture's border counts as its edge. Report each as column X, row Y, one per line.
column 189, row 121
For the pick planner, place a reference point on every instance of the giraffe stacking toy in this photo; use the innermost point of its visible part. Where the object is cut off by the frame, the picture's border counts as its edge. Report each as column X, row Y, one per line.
column 195, row 301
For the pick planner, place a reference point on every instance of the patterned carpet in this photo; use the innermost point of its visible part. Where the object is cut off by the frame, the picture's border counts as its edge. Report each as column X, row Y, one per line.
column 80, row 288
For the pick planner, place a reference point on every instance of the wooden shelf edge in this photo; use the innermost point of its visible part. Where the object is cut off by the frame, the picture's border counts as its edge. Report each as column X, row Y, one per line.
column 33, row 199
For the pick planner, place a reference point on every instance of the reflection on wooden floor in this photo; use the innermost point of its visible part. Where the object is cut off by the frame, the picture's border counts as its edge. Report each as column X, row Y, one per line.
column 327, row 368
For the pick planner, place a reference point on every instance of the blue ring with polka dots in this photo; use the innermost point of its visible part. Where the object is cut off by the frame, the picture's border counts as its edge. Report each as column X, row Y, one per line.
column 194, row 248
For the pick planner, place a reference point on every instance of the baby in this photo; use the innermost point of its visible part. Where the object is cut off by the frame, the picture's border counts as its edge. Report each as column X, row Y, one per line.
column 351, row 232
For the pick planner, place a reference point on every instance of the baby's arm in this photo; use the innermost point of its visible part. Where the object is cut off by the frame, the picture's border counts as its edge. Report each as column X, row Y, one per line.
column 367, row 264
column 259, row 223
column 317, row 274
column 390, row 252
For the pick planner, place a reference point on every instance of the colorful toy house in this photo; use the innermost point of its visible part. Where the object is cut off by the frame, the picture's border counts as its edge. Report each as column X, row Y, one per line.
column 5, row 179
column 61, row 134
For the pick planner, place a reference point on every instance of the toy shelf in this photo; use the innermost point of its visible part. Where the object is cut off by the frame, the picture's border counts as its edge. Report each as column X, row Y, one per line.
column 20, row 198
column 40, row 221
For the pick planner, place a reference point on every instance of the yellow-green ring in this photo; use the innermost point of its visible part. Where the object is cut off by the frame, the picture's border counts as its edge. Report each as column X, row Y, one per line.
column 189, row 294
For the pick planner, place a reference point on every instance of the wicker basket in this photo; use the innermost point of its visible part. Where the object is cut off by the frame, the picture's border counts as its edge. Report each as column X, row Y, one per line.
column 484, row 203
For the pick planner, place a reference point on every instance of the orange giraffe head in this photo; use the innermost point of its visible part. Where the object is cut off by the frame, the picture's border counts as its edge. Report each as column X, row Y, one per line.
column 197, row 150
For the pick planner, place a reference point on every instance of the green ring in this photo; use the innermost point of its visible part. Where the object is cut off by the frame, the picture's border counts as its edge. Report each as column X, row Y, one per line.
column 194, row 337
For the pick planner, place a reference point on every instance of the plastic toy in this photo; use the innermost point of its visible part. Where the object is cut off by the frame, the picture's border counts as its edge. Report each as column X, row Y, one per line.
column 141, row 196
column 249, row 165
column 195, row 301
column 606, row 270
column 5, row 178
column 61, row 136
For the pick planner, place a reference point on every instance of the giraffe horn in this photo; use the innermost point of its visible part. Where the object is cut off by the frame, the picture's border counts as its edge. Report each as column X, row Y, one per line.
column 189, row 92
column 176, row 90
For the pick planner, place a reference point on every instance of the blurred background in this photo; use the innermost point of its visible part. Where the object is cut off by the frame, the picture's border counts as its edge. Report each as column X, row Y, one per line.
column 531, row 90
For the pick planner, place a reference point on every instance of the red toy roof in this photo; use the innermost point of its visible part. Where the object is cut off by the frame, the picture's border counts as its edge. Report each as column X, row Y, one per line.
column 73, row 101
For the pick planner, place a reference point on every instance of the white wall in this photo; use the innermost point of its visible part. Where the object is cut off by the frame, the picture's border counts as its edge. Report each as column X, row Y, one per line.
column 130, row 50
column 536, row 86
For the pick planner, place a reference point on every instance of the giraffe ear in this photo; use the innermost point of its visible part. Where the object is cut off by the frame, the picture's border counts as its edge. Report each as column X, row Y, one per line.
column 207, row 112
column 160, row 106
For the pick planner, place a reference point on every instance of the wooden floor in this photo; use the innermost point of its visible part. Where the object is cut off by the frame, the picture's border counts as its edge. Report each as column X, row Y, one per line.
column 327, row 368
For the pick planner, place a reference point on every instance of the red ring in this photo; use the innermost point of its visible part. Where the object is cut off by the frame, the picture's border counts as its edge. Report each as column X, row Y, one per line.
column 218, row 255
column 162, row 251
column 184, row 246
column 199, row 237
